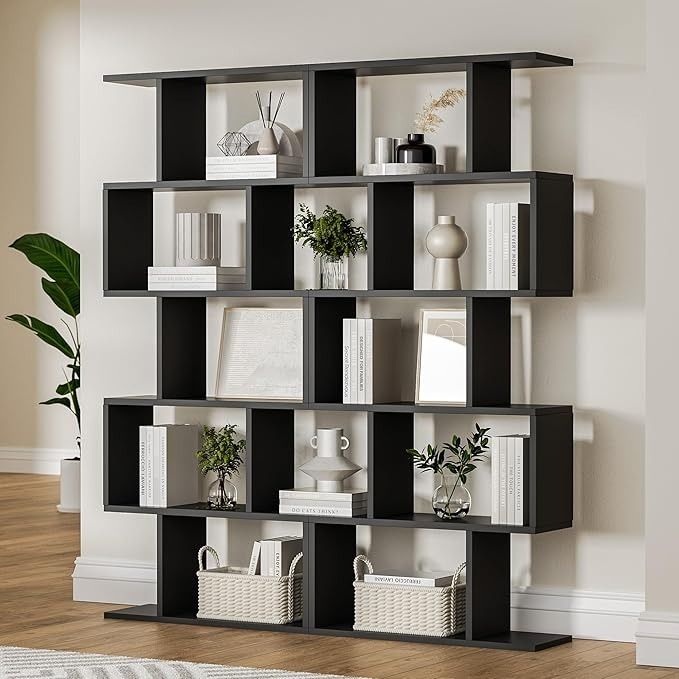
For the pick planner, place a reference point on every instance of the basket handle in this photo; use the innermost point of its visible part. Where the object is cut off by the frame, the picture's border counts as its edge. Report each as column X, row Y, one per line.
column 203, row 550
column 362, row 558
column 291, row 584
column 456, row 582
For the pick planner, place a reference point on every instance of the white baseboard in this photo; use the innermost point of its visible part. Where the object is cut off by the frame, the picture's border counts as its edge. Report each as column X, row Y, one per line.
column 658, row 639
column 586, row 615
column 118, row 582
column 32, row 460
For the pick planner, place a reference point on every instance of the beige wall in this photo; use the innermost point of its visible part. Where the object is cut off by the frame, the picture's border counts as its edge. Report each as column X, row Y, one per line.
column 587, row 120
column 39, row 141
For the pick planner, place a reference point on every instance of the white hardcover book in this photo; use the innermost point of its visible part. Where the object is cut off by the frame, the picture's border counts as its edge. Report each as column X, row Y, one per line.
column 354, row 360
column 502, row 446
column 495, row 480
column 155, row 478
column 196, row 278
column 513, row 246
column 490, row 246
column 369, row 367
column 142, row 466
column 321, row 511
column 180, row 483
column 197, row 270
column 253, row 568
column 197, row 286
column 331, row 504
column 346, row 360
column 497, row 231
column 266, row 565
column 162, row 466
column 149, row 465
column 505, row 246
column 518, row 482
column 312, row 494
column 418, row 580
column 360, row 343
column 511, row 496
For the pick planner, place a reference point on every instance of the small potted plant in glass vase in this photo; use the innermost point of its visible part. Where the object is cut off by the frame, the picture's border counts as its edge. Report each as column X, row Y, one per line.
column 333, row 238
column 221, row 452
column 451, row 498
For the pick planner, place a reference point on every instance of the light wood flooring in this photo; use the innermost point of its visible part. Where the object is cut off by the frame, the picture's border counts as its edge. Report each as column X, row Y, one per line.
column 37, row 549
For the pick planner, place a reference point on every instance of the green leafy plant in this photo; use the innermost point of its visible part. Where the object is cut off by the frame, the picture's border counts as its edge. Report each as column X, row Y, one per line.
column 62, row 265
column 332, row 235
column 221, row 451
column 454, row 457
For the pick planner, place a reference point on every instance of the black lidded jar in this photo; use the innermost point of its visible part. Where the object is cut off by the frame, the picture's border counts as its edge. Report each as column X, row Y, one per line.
column 415, row 151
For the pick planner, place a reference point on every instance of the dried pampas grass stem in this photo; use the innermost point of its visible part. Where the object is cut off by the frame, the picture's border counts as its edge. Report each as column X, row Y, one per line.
column 428, row 120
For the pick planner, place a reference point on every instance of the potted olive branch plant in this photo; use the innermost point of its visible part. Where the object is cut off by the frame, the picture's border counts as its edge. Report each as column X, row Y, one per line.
column 452, row 501
column 221, row 452
column 333, row 237
column 62, row 266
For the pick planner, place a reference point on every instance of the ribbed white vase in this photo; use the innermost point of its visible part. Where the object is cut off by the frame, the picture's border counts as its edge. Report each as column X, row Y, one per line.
column 199, row 239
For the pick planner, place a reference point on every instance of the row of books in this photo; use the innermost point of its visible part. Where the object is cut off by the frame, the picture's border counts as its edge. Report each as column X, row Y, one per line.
column 507, row 246
column 168, row 472
column 509, row 471
column 272, row 557
column 196, row 278
column 252, row 167
column 311, row 502
column 370, row 352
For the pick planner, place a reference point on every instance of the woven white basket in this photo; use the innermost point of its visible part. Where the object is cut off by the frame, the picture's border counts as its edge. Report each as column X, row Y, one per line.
column 408, row 609
column 227, row 594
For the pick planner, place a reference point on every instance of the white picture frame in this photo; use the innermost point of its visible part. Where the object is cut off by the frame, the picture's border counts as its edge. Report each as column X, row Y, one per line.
column 261, row 354
column 441, row 375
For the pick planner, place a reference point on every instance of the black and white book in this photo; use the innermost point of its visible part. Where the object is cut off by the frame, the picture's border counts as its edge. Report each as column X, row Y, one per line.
column 308, row 510
column 417, row 579
column 196, row 278
column 351, row 496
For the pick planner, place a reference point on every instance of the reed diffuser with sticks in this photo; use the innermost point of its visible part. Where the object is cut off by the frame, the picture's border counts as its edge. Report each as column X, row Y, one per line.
column 268, row 144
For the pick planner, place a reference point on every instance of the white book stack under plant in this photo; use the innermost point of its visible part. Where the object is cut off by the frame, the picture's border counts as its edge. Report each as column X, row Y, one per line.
column 370, row 350
column 507, row 246
column 196, row 278
column 252, row 167
column 346, row 503
column 168, row 472
column 509, row 478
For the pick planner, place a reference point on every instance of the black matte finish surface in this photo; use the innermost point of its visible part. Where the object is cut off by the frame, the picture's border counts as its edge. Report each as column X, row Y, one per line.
column 128, row 238
column 181, row 347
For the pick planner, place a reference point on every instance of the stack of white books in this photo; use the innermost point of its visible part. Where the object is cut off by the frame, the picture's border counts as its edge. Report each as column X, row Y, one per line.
column 252, row 167
column 196, row 278
column 272, row 557
column 370, row 352
column 414, row 579
column 507, row 246
column 309, row 501
column 168, row 470
column 509, row 477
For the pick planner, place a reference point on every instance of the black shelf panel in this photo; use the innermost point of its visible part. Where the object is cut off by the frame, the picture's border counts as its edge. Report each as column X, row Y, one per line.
column 514, row 409
column 359, row 68
column 515, row 641
column 205, row 293
column 520, row 177
column 201, row 509
column 149, row 613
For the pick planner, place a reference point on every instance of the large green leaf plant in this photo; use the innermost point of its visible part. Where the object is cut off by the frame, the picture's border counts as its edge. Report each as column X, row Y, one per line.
column 62, row 285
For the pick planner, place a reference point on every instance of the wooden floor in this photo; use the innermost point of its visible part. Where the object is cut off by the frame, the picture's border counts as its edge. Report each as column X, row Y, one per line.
column 37, row 549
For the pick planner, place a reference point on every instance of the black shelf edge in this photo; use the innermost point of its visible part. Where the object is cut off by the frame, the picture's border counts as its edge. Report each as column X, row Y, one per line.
column 514, row 409
column 201, row 509
column 519, row 177
column 516, row 641
column 205, row 293
column 361, row 68
column 149, row 613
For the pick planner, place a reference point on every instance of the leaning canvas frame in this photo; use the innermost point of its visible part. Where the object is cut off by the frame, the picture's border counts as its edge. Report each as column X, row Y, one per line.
column 256, row 344
column 451, row 387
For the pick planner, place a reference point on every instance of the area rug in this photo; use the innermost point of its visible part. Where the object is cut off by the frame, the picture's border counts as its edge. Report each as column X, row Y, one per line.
column 30, row 663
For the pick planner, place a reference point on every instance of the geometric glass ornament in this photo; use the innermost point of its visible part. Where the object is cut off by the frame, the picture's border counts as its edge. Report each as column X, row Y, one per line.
column 234, row 144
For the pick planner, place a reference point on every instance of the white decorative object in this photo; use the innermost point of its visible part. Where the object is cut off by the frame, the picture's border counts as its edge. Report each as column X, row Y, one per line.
column 329, row 468
column 226, row 593
column 260, row 355
column 69, row 487
column 442, row 357
column 252, row 167
column 446, row 242
column 384, row 150
column 373, row 169
column 409, row 609
column 198, row 239
column 288, row 143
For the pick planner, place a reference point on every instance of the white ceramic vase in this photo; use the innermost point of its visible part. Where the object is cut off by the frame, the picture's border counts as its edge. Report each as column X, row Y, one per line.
column 69, row 497
column 198, row 239
column 446, row 242
column 329, row 468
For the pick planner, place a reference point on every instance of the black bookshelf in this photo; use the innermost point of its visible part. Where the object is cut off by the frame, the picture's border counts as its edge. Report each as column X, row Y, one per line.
column 329, row 123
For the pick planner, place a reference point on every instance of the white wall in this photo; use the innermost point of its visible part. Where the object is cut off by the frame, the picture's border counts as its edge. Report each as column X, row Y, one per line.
column 39, row 138
column 587, row 351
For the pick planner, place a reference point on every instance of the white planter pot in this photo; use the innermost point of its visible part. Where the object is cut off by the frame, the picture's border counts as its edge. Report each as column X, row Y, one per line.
column 70, row 487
